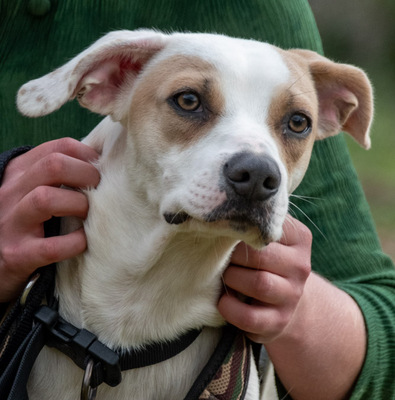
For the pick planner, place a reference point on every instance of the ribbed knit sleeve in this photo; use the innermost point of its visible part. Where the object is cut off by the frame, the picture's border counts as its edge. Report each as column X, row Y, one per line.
column 346, row 249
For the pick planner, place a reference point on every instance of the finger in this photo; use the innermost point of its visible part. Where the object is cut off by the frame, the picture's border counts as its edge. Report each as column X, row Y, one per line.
column 275, row 258
column 295, row 233
column 67, row 146
column 263, row 286
column 58, row 169
column 45, row 202
column 246, row 256
column 255, row 319
column 34, row 253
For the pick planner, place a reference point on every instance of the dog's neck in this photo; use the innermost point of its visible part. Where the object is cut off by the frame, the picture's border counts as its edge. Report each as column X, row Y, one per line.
column 128, row 298
column 152, row 284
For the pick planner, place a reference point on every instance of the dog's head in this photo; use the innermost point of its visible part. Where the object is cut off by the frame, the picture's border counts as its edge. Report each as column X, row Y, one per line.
column 220, row 129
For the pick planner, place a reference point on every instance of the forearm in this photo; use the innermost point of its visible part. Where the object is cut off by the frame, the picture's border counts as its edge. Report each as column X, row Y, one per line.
column 321, row 353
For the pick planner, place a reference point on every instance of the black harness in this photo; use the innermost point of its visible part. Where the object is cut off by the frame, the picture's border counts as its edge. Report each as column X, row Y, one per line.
column 29, row 326
column 84, row 348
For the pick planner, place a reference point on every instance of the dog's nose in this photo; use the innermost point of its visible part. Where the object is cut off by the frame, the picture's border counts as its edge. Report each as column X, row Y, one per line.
column 252, row 176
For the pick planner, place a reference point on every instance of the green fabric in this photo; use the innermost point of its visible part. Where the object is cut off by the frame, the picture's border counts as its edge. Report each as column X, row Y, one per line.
column 345, row 249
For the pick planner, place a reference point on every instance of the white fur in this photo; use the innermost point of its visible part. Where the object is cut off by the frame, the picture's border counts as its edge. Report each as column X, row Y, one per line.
column 142, row 279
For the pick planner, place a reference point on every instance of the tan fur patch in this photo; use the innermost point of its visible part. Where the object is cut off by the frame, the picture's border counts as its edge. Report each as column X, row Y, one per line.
column 297, row 96
column 153, row 100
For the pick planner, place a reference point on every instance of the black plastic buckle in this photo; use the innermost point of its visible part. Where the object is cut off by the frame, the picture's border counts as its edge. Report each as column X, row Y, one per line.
column 80, row 345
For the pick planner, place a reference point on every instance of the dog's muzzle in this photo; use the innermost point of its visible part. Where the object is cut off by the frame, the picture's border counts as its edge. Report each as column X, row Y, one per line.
column 250, row 182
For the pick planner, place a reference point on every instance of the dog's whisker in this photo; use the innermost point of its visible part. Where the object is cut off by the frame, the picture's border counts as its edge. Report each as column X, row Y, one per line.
column 299, row 196
column 224, row 285
column 286, row 395
column 292, row 223
column 314, row 224
column 305, row 199
column 290, row 220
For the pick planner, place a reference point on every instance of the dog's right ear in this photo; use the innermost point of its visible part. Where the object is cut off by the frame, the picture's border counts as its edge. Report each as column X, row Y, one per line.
column 345, row 97
column 95, row 76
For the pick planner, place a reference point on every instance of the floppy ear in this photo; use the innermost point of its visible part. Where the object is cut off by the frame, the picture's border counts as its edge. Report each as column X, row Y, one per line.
column 95, row 76
column 345, row 98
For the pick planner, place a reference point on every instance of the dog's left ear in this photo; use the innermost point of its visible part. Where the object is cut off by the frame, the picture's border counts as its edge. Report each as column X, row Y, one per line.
column 345, row 98
column 96, row 76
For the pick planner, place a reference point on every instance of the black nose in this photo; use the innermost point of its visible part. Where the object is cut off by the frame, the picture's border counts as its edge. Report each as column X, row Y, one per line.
column 252, row 176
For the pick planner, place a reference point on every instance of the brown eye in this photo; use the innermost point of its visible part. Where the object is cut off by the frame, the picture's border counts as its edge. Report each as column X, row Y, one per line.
column 188, row 101
column 299, row 123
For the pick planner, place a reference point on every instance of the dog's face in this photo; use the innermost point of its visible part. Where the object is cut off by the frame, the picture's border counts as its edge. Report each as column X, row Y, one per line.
column 220, row 130
column 227, row 135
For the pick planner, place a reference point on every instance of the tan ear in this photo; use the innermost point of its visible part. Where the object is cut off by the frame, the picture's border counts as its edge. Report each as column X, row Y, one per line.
column 95, row 76
column 345, row 98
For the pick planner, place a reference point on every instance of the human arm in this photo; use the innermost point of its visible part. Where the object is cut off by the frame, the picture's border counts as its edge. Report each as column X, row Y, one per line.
column 301, row 318
column 322, row 350
column 30, row 194
column 346, row 252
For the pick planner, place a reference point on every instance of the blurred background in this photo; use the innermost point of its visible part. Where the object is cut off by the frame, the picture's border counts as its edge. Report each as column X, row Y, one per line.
column 362, row 32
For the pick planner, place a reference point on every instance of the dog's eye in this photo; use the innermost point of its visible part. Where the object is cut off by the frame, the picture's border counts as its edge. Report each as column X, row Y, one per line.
column 299, row 123
column 188, row 101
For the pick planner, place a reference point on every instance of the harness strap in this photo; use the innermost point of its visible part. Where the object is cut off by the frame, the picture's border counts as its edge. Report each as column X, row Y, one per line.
column 13, row 381
column 18, row 323
column 231, row 380
column 148, row 355
column 226, row 374
column 223, row 378
column 20, row 339
column 82, row 346
column 157, row 352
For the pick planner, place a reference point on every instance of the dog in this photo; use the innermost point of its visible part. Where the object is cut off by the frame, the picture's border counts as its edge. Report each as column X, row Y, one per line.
column 205, row 137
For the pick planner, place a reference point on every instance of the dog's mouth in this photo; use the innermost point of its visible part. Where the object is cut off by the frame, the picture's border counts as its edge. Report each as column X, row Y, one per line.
column 176, row 218
column 241, row 216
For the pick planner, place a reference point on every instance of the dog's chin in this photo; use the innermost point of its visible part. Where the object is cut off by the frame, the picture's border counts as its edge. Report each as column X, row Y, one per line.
column 253, row 229
column 252, row 226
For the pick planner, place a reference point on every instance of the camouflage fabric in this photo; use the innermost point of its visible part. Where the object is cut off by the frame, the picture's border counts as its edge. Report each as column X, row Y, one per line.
column 230, row 381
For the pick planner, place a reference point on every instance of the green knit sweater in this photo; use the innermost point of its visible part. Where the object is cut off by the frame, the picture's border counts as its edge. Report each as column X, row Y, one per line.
column 36, row 36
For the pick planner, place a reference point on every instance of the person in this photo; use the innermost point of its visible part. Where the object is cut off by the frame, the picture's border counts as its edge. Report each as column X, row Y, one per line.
column 323, row 308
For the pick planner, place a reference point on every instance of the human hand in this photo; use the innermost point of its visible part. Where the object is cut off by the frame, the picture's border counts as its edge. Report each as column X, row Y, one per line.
column 31, row 194
column 273, row 278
